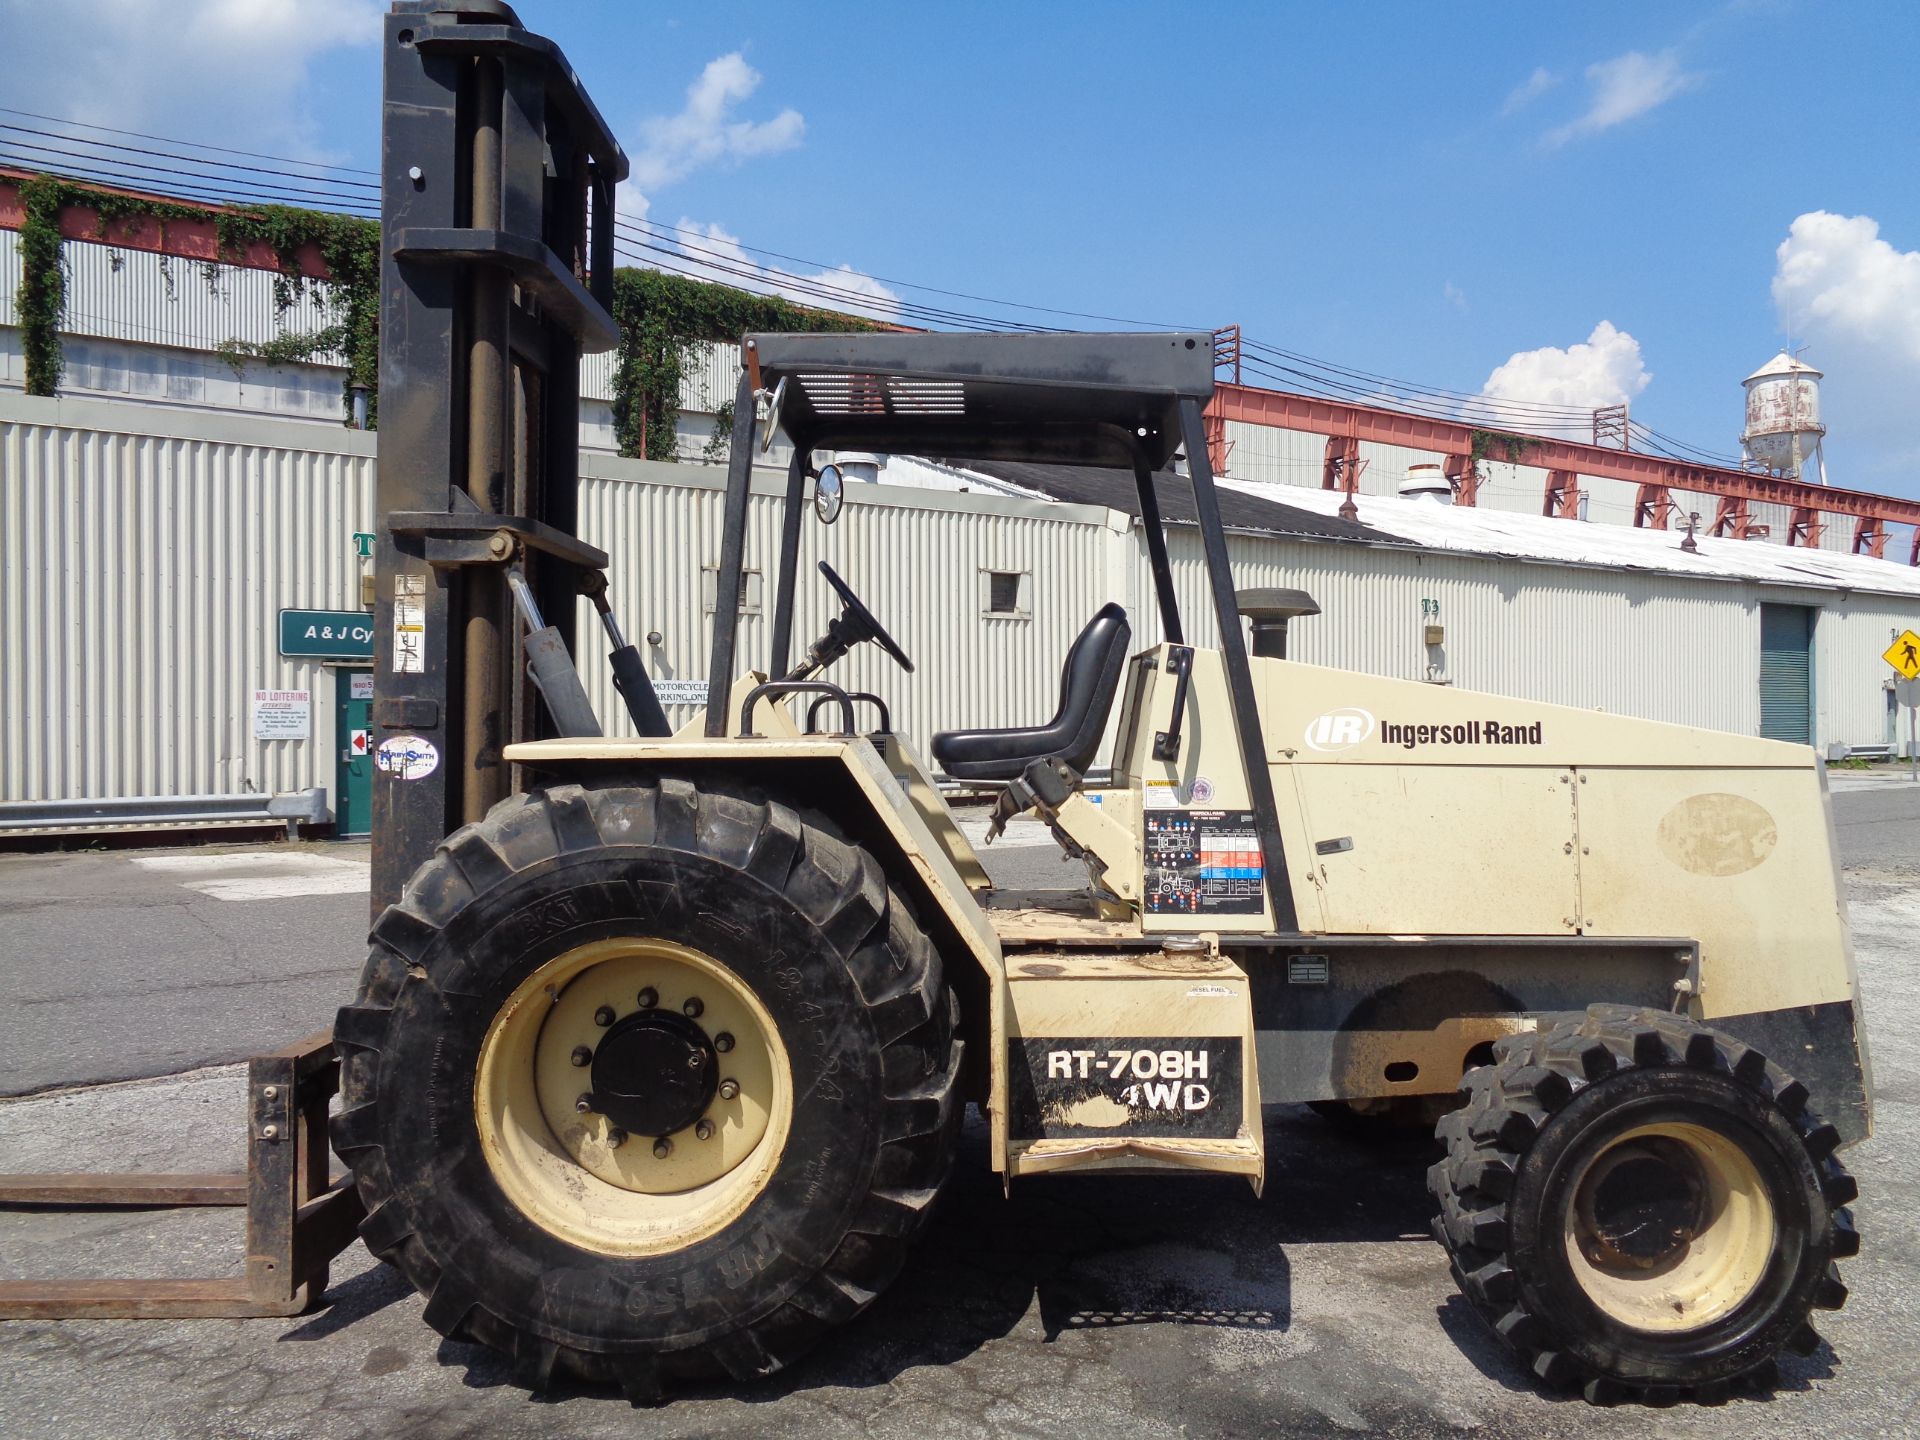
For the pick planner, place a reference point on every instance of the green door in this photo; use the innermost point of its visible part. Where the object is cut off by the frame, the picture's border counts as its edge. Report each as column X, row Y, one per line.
column 1786, row 673
column 353, row 774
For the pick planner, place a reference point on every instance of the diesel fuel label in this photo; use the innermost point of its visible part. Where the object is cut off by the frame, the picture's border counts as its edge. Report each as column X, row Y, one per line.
column 1136, row 1085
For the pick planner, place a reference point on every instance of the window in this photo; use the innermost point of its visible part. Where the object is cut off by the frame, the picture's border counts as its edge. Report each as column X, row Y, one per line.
column 1006, row 594
column 710, row 590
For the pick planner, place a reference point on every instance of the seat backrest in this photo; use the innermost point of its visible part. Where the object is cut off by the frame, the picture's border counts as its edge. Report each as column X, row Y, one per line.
column 1088, row 681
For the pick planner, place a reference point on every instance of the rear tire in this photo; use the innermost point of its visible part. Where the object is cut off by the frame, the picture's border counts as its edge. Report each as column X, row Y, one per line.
column 573, row 1248
column 1642, row 1207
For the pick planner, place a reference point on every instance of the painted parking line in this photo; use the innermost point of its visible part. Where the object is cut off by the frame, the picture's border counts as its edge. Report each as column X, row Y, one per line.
column 250, row 875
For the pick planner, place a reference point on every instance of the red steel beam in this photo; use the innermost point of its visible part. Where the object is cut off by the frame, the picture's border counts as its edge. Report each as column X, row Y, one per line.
column 1342, row 472
column 1283, row 410
column 1562, row 499
column 196, row 239
column 1870, row 535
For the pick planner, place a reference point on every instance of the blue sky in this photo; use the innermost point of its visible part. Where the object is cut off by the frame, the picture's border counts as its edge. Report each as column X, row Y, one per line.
column 1431, row 192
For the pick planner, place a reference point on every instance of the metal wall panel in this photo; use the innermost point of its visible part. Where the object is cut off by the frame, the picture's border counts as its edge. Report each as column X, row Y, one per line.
column 708, row 373
column 1853, row 702
column 1634, row 644
column 136, row 295
column 141, row 572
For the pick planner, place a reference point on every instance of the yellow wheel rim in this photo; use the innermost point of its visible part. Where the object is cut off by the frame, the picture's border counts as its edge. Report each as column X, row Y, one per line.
column 575, row 1172
column 1670, row 1227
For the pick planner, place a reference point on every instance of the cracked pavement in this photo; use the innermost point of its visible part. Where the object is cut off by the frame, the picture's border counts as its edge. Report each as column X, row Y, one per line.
column 1136, row 1307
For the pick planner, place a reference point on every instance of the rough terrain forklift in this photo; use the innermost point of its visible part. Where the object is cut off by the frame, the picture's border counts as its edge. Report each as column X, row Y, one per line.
column 659, row 1057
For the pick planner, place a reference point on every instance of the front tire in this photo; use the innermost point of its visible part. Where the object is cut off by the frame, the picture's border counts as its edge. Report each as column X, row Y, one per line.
column 647, row 1082
column 1642, row 1206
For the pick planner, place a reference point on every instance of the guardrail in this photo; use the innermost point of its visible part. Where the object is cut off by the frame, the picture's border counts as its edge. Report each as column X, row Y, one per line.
column 124, row 811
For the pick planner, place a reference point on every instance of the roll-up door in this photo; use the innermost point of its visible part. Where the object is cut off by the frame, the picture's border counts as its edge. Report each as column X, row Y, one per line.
column 1786, row 673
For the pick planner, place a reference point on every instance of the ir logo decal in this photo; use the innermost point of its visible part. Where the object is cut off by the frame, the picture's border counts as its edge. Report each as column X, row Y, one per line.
column 410, row 757
column 1339, row 729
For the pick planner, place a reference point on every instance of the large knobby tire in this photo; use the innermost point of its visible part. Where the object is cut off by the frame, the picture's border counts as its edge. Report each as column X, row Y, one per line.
column 1642, row 1206
column 571, row 1247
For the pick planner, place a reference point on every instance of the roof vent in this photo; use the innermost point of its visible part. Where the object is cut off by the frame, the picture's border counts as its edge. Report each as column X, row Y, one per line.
column 1426, row 482
column 859, row 466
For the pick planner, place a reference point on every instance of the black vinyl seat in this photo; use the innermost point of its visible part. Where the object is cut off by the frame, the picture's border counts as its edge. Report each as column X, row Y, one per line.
column 1088, row 681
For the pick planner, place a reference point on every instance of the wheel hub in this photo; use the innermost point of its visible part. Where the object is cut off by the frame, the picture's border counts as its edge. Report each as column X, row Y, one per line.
column 1670, row 1226
column 1647, row 1202
column 655, row 1073
column 633, row 1095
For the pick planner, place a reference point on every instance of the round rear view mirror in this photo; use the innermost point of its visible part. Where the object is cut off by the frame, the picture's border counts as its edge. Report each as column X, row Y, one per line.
column 770, row 419
column 828, row 494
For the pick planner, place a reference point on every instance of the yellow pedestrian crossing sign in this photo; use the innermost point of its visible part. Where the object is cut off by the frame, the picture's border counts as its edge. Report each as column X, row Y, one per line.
column 1904, row 655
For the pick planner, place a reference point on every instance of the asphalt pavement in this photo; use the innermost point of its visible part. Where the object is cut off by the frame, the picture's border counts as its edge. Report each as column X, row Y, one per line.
column 1134, row 1307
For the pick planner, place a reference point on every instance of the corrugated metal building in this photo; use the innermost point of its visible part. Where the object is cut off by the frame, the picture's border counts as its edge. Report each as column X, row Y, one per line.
column 144, row 327
column 145, row 553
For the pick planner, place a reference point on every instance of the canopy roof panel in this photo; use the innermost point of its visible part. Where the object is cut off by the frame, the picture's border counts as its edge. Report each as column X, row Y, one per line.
column 1062, row 399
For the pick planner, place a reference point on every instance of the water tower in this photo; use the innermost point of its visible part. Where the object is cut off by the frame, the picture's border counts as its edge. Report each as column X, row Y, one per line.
column 1783, row 429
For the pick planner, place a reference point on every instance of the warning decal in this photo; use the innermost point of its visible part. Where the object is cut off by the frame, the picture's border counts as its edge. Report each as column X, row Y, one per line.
column 1203, row 862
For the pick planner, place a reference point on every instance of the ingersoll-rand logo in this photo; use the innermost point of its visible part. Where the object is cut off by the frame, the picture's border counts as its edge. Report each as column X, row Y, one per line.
column 1339, row 729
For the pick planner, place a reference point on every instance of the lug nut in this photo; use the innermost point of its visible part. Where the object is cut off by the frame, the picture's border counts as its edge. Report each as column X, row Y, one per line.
column 582, row 1055
column 616, row 1138
column 603, row 1017
column 662, row 1148
column 649, row 998
column 584, row 1105
column 723, row 1042
column 704, row 1130
column 693, row 1008
column 729, row 1089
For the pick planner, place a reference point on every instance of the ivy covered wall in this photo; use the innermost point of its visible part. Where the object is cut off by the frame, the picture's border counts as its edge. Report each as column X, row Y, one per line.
column 660, row 316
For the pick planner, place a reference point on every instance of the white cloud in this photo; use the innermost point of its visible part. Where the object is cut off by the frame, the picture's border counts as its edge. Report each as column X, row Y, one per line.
column 1529, row 90
column 1604, row 369
column 220, row 71
column 1623, row 88
column 1454, row 296
column 706, row 130
column 1855, row 299
column 839, row 288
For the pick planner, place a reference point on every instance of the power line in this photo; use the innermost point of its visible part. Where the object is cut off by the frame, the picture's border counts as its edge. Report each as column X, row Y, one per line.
column 191, row 159
column 211, row 196
column 926, row 289
column 138, row 169
column 192, row 144
column 820, row 285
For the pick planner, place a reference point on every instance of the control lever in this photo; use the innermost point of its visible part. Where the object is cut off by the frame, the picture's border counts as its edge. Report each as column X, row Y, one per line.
column 552, row 667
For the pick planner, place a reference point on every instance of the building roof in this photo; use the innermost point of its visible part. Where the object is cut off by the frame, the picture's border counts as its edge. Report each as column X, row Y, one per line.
column 1258, row 508
column 1312, row 514
column 1481, row 531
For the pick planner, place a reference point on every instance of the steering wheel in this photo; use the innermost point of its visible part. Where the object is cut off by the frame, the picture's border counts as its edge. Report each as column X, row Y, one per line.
column 864, row 626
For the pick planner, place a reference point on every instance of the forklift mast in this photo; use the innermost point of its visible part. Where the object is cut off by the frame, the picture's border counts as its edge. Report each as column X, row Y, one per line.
column 497, row 185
